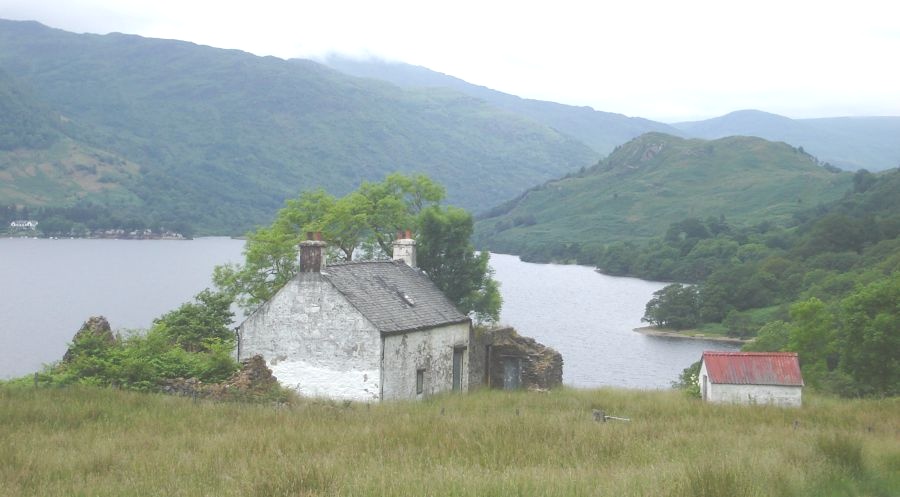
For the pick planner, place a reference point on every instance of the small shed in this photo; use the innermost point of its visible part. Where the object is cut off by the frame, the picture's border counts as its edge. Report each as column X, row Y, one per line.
column 751, row 378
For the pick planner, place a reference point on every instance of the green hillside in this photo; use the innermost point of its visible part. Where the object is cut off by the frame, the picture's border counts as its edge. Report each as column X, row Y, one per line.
column 656, row 180
column 871, row 143
column 602, row 131
column 220, row 137
column 40, row 166
column 24, row 122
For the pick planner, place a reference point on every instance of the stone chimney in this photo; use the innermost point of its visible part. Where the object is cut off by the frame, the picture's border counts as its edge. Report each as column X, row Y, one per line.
column 405, row 248
column 312, row 253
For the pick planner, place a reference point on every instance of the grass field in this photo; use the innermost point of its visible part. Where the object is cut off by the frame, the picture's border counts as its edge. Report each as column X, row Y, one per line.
column 71, row 442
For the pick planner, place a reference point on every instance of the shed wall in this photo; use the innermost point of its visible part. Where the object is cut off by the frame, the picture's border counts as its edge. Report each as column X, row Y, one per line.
column 431, row 350
column 315, row 341
column 756, row 394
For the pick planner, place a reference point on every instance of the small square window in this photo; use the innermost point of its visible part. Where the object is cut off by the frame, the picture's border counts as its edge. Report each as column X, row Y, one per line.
column 420, row 381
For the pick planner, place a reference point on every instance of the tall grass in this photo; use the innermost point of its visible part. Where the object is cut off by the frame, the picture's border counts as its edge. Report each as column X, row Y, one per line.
column 58, row 442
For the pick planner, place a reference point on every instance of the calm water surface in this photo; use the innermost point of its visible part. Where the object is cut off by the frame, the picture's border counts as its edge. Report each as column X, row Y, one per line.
column 48, row 288
column 589, row 318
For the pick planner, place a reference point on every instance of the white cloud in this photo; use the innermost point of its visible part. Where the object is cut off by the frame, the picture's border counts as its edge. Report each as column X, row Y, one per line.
column 653, row 58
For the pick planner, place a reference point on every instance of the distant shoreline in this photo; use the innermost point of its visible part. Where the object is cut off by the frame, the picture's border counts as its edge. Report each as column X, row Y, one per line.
column 658, row 332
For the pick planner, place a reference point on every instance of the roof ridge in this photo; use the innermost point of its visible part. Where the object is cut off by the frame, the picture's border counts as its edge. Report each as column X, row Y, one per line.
column 350, row 263
column 715, row 352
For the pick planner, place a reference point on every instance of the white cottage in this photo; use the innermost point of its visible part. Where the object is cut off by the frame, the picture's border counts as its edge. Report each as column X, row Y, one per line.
column 364, row 331
column 751, row 378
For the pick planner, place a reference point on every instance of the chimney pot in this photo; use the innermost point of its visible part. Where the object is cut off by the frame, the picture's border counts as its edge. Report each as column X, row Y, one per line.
column 405, row 248
column 312, row 253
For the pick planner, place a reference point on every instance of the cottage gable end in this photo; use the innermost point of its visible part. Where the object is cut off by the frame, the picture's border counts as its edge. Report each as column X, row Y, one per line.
column 315, row 341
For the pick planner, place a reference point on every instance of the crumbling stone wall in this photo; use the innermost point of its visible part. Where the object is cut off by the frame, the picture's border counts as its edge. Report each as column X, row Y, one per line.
column 254, row 379
column 540, row 366
column 96, row 327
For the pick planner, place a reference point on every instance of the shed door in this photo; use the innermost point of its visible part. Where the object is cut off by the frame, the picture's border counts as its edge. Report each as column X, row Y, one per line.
column 512, row 369
column 703, row 388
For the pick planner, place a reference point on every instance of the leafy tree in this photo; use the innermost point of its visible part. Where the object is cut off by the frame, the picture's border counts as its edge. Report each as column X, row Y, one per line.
column 738, row 324
column 366, row 222
column 619, row 258
column 675, row 306
column 395, row 204
column 686, row 233
column 813, row 338
column 834, row 233
column 270, row 260
column 446, row 254
column 869, row 337
column 772, row 337
column 199, row 325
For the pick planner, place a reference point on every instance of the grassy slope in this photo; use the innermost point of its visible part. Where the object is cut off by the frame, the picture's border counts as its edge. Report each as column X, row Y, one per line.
column 109, row 443
column 223, row 136
column 656, row 180
column 39, row 165
column 64, row 172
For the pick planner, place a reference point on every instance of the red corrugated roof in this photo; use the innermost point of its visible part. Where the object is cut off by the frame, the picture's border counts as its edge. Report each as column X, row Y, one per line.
column 753, row 368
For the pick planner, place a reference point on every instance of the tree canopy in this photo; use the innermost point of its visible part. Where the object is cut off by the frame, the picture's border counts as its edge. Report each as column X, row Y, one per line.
column 675, row 306
column 363, row 225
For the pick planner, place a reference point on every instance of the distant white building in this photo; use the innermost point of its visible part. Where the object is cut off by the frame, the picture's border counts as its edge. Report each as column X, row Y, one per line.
column 370, row 330
column 751, row 378
column 23, row 225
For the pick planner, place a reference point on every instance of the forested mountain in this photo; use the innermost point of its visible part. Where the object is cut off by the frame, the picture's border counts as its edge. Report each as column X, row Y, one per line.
column 602, row 131
column 40, row 165
column 871, row 143
column 653, row 181
column 25, row 122
column 219, row 138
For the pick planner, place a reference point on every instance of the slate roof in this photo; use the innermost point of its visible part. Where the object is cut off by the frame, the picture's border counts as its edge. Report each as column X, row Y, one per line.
column 392, row 295
column 753, row 368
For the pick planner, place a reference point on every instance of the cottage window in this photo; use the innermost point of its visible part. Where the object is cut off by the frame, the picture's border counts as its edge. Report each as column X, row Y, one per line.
column 420, row 381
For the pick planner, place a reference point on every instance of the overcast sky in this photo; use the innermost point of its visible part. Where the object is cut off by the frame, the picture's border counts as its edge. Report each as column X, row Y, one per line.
column 660, row 59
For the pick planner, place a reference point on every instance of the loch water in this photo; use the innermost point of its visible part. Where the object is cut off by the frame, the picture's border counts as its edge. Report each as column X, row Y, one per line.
column 48, row 288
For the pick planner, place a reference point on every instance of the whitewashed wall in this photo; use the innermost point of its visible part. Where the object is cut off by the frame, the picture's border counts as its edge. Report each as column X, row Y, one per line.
column 315, row 341
column 431, row 350
column 756, row 394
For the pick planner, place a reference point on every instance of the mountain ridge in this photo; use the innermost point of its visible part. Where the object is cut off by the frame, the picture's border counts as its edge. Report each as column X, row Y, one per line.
column 848, row 142
column 602, row 131
column 866, row 142
column 222, row 137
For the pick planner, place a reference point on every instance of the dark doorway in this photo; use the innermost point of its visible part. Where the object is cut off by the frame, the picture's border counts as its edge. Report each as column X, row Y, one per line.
column 512, row 373
column 458, row 357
